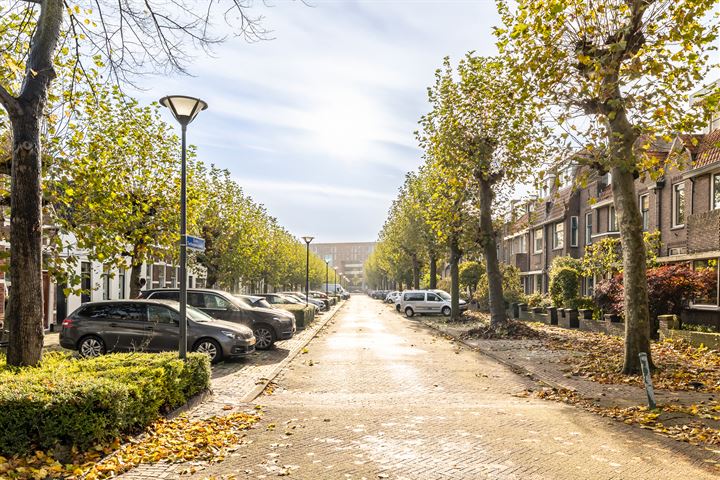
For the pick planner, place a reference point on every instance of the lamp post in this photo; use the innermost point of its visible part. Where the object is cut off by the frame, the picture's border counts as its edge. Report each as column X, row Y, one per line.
column 184, row 109
column 335, row 283
column 307, row 268
column 327, row 264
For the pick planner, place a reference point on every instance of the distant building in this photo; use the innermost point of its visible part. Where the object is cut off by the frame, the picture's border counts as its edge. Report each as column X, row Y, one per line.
column 349, row 258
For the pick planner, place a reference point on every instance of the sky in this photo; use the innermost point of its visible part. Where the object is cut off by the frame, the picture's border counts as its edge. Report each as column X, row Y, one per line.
column 317, row 123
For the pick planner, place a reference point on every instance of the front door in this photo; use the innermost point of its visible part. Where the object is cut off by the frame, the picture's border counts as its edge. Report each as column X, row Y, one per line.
column 434, row 303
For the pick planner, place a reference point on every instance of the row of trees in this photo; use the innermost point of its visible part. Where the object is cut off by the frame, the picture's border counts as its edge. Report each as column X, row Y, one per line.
column 593, row 82
column 90, row 171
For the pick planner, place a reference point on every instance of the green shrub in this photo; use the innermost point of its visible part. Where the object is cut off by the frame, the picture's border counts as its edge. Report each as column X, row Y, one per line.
column 537, row 300
column 512, row 287
column 80, row 402
column 564, row 286
column 304, row 315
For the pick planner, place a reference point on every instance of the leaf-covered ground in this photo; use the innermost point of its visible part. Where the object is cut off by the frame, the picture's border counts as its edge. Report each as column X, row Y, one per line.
column 178, row 440
column 598, row 358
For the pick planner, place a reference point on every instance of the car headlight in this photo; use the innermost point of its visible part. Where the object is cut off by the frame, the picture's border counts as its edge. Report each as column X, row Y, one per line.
column 282, row 319
column 235, row 336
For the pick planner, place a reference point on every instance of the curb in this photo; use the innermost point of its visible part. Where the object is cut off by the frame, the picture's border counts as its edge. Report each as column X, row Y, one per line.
column 515, row 368
column 260, row 387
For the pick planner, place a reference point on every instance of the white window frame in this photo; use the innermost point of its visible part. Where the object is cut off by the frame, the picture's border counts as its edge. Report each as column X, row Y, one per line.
column 675, row 189
column 588, row 228
column 558, row 241
column 713, row 191
column 645, row 219
column 612, row 219
column 574, row 231
column 536, row 238
column 523, row 244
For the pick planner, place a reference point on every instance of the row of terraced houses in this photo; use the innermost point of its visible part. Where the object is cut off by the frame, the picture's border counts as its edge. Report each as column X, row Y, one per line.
column 683, row 205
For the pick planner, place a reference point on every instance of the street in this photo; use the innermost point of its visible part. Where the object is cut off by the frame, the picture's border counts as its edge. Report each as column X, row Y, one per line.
column 377, row 395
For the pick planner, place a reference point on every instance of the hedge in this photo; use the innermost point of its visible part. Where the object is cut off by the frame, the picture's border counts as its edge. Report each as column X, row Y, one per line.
column 81, row 402
column 304, row 316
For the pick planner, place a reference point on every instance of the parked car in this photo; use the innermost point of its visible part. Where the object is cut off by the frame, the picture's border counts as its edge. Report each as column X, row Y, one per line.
column 301, row 296
column 392, row 296
column 269, row 325
column 97, row 328
column 428, row 301
column 279, row 299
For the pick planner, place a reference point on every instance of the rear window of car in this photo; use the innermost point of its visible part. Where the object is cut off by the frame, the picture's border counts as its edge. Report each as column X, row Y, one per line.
column 114, row 311
column 414, row 297
column 165, row 296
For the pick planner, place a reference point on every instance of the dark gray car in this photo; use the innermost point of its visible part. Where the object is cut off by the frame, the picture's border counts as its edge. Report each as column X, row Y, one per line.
column 268, row 324
column 150, row 326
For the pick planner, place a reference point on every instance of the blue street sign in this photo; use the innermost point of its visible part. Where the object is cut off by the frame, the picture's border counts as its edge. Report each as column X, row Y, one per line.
column 195, row 243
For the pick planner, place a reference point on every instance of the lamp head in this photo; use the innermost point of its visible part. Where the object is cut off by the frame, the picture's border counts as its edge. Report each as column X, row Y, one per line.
column 183, row 108
column 308, row 239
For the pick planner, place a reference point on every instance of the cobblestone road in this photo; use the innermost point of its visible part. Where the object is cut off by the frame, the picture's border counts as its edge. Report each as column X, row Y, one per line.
column 380, row 396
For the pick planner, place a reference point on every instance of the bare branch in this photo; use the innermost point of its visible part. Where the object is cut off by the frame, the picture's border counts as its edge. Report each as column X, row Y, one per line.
column 9, row 102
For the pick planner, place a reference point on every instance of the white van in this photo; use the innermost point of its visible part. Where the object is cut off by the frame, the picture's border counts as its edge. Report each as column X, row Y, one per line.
column 427, row 301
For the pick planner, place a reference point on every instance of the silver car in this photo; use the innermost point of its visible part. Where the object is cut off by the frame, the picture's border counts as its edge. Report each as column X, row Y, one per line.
column 427, row 301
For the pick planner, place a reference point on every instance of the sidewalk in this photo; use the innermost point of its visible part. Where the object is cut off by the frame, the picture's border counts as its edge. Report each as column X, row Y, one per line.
column 234, row 385
column 557, row 380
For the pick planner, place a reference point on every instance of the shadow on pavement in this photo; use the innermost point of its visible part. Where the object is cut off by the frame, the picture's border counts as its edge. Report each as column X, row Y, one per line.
column 259, row 358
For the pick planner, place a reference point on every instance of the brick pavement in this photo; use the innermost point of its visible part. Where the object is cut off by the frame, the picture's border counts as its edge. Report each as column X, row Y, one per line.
column 234, row 384
column 381, row 396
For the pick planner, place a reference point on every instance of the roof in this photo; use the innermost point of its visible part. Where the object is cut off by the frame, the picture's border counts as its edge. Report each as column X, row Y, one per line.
column 708, row 151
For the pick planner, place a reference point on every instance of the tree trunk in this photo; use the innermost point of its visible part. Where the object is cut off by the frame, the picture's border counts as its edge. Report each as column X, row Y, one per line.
column 25, row 307
column 637, row 316
column 416, row 272
column 455, row 254
column 135, row 272
column 433, row 271
column 489, row 244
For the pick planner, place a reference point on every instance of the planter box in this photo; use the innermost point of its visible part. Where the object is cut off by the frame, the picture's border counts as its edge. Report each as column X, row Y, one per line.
column 710, row 340
column 553, row 314
column 515, row 309
column 538, row 310
column 612, row 318
column 585, row 314
column 572, row 318
column 669, row 322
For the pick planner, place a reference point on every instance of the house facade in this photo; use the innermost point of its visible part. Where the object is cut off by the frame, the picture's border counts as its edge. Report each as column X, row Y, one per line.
column 683, row 205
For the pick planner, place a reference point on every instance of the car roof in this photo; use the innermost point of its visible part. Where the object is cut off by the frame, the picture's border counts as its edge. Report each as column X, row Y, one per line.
column 204, row 290
column 149, row 301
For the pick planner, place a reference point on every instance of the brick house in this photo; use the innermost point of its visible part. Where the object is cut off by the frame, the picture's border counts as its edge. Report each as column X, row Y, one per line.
column 683, row 205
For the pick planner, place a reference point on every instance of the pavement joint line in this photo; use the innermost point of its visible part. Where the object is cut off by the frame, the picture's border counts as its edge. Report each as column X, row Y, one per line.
column 254, row 393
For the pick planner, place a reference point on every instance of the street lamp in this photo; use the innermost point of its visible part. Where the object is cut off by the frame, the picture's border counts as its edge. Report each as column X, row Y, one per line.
column 184, row 109
column 307, row 268
column 335, row 284
column 327, row 264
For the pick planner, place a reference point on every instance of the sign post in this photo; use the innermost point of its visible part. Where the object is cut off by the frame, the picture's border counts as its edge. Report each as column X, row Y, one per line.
column 648, row 380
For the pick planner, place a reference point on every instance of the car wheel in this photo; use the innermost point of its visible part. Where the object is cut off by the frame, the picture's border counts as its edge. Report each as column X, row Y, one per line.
column 409, row 312
column 209, row 347
column 264, row 337
column 446, row 311
column 91, row 346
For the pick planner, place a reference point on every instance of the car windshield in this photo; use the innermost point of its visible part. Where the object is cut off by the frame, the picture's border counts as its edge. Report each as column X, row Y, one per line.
column 443, row 295
column 262, row 303
column 197, row 316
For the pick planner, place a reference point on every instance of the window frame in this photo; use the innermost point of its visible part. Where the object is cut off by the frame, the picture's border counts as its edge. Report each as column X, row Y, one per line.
column 674, row 200
column 714, row 191
column 645, row 213
column 612, row 219
column 536, row 238
column 558, row 241
column 588, row 228
column 574, row 231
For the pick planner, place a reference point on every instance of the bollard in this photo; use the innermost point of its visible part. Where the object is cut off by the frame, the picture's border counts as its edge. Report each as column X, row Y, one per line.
column 648, row 380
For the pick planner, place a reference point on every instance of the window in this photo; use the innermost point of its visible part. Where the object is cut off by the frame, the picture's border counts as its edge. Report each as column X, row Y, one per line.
column 612, row 219
column 538, row 234
column 216, row 302
column 431, row 297
column 588, row 228
column 677, row 251
column 115, row 311
column 85, row 281
column 166, row 296
column 518, row 245
column 715, row 195
column 160, row 314
column 710, row 267
column 645, row 211
column 106, row 283
column 414, row 297
column 121, row 283
column 558, row 235
column 523, row 246
column 678, row 205
column 573, row 231
column 539, row 283
column 589, row 286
